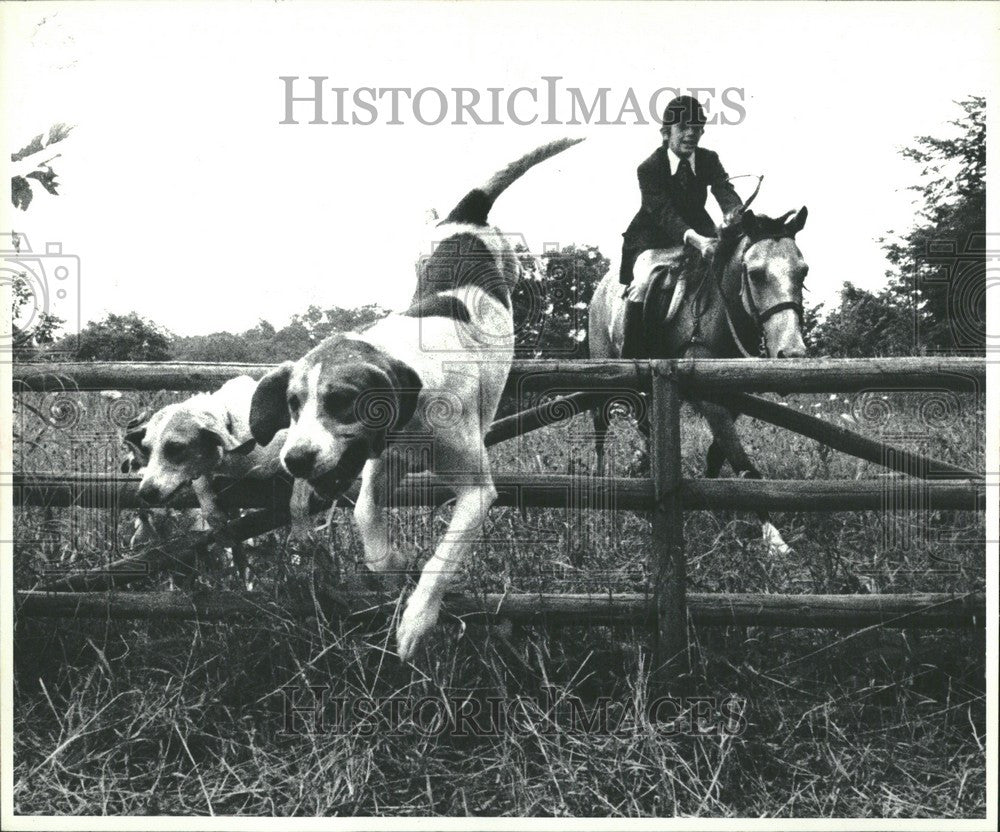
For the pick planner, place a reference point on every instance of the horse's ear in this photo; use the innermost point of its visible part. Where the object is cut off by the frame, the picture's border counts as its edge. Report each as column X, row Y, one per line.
column 750, row 222
column 795, row 223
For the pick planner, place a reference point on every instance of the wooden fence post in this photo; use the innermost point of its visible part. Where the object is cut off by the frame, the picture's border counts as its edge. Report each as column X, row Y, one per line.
column 668, row 567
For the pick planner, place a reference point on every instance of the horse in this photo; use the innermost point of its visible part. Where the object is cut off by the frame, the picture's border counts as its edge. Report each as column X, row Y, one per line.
column 750, row 293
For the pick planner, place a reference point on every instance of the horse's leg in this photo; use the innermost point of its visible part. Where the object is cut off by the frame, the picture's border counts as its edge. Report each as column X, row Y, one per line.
column 723, row 425
column 715, row 458
column 600, row 344
column 641, row 461
column 600, row 417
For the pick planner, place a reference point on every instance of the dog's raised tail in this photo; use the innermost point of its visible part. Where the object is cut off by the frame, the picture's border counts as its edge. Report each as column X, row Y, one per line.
column 474, row 207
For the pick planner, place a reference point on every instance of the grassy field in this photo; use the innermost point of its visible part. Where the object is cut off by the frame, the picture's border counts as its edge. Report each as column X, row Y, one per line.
column 194, row 718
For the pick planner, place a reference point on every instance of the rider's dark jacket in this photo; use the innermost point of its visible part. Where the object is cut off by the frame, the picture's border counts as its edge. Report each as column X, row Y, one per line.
column 668, row 209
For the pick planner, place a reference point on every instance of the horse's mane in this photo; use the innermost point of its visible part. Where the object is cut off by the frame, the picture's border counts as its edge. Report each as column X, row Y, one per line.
column 733, row 227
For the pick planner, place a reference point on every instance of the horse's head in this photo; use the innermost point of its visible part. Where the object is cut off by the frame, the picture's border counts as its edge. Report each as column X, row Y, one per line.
column 773, row 271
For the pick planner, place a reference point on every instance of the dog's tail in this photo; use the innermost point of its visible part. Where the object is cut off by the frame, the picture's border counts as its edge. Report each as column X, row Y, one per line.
column 475, row 206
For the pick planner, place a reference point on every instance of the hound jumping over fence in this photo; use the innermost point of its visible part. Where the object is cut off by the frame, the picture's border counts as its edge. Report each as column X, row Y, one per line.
column 453, row 346
column 191, row 442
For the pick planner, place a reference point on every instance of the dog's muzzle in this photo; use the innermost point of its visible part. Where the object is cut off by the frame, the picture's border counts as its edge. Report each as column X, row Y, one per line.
column 338, row 479
column 153, row 496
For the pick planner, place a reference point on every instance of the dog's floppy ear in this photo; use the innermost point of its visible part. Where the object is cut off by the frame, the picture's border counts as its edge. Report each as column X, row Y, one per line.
column 139, row 421
column 795, row 223
column 211, row 437
column 269, row 407
column 390, row 378
column 213, row 432
column 135, row 436
column 135, row 430
column 408, row 386
column 135, row 460
column 135, row 433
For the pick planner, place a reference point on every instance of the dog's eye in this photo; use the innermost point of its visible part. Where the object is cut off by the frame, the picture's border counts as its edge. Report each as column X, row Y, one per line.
column 339, row 404
column 173, row 450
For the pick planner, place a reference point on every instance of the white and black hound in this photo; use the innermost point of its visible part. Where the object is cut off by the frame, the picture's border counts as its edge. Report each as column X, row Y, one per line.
column 435, row 371
column 205, row 436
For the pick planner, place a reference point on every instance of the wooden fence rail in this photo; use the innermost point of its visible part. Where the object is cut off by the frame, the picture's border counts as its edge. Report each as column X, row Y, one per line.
column 546, row 491
column 706, row 609
column 801, row 375
column 842, row 439
column 666, row 495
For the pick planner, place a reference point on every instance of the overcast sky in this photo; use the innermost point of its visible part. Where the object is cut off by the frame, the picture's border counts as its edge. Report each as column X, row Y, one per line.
column 188, row 202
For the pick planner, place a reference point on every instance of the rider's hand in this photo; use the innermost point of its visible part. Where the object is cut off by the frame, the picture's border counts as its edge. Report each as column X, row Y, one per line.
column 705, row 245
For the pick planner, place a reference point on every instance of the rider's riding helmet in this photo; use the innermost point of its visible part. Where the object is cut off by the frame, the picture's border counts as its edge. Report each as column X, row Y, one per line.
column 684, row 109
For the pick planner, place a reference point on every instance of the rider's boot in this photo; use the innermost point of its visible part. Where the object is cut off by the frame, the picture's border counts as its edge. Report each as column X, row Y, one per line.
column 634, row 344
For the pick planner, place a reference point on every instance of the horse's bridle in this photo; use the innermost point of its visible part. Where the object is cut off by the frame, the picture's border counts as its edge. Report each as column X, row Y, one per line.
column 746, row 296
column 760, row 317
column 746, row 300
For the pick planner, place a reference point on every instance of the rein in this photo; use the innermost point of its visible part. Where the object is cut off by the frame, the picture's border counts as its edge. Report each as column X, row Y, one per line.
column 735, row 336
column 743, row 285
column 759, row 318
column 746, row 297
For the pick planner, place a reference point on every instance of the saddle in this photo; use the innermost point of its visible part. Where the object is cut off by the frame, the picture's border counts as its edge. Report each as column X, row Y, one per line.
column 667, row 291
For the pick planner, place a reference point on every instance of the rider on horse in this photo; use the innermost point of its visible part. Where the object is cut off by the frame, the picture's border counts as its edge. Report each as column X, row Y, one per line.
column 674, row 182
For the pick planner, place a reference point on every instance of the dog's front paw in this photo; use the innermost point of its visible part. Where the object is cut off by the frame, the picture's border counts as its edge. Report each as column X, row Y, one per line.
column 419, row 617
column 775, row 543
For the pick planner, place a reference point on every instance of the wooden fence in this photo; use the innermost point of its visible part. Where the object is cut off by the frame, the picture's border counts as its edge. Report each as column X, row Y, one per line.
column 666, row 494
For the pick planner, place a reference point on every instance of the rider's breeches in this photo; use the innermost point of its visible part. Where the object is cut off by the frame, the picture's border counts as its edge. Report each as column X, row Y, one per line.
column 649, row 265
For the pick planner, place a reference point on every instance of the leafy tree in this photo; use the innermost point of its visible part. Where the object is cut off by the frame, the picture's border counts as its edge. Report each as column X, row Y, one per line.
column 939, row 265
column 810, row 322
column 216, row 347
column 864, row 324
column 124, row 338
column 321, row 323
column 550, row 304
column 936, row 297
column 31, row 162
column 292, row 342
column 28, row 342
column 263, row 344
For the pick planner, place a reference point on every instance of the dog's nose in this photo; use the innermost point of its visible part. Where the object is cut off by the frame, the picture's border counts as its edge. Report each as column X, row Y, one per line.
column 149, row 493
column 300, row 460
column 791, row 353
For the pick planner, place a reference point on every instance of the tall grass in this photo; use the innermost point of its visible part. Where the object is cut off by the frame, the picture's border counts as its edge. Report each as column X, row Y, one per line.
column 165, row 717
